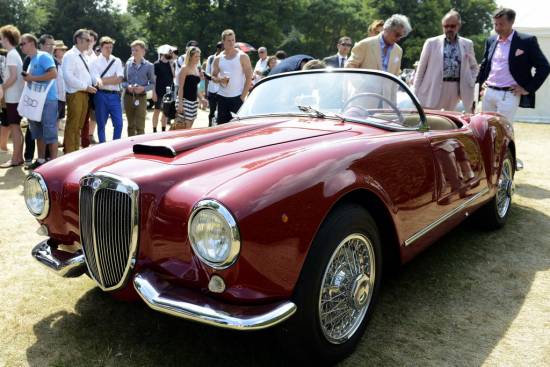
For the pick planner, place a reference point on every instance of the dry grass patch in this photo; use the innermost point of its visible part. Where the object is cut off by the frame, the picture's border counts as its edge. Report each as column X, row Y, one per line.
column 474, row 298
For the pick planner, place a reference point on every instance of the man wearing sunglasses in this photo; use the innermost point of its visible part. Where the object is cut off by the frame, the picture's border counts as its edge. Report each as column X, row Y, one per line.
column 382, row 52
column 339, row 60
column 78, row 85
column 447, row 69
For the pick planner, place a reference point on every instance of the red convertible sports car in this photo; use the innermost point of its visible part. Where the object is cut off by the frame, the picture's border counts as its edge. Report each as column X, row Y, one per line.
column 286, row 216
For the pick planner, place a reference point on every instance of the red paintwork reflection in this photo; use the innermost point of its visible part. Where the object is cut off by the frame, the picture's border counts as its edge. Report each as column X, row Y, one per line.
column 280, row 178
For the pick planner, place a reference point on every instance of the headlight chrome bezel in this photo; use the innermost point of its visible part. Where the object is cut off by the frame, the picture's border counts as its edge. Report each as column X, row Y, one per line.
column 222, row 211
column 38, row 177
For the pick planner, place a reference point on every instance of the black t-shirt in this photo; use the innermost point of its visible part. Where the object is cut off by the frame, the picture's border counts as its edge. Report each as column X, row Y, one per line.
column 163, row 73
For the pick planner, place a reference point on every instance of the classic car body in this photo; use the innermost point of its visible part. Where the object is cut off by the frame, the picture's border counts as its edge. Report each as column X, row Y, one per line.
column 262, row 190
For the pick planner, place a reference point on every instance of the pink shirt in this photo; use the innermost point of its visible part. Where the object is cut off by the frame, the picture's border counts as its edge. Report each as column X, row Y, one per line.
column 500, row 71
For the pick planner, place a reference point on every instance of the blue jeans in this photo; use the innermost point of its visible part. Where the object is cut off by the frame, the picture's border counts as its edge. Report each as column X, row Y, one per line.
column 106, row 104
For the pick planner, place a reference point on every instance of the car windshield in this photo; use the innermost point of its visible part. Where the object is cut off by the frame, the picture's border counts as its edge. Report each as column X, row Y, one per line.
column 357, row 96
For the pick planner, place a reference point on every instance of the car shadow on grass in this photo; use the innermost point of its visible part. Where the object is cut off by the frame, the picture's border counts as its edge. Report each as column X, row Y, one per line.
column 449, row 306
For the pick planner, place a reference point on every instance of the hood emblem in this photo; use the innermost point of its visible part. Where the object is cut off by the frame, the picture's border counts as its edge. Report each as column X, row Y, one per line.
column 96, row 182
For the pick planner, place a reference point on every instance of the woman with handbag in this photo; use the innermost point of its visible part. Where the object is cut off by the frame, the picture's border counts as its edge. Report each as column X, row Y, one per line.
column 188, row 80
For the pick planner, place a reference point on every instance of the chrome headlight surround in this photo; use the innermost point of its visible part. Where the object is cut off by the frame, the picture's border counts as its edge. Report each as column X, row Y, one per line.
column 222, row 213
column 36, row 179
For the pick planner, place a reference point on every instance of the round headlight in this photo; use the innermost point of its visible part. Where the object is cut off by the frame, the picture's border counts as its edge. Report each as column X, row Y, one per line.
column 36, row 195
column 214, row 234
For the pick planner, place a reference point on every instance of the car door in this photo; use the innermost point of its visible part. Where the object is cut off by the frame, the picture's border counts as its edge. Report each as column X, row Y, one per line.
column 458, row 166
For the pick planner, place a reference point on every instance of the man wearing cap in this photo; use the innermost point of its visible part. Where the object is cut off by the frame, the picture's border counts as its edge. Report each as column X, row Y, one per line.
column 107, row 72
column 58, row 52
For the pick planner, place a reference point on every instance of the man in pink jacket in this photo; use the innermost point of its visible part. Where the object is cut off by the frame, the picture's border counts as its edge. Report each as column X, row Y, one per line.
column 447, row 69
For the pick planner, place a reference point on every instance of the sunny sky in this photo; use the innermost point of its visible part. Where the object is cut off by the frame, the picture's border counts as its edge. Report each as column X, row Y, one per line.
column 122, row 3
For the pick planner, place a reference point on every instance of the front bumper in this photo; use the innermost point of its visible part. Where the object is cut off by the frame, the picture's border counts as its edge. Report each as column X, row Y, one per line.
column 65, row 264
column 182, row 302
column 177, row 301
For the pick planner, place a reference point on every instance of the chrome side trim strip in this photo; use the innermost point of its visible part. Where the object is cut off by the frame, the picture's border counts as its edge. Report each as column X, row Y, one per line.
column 443, row 218
column 242, row 319
column 63, row 263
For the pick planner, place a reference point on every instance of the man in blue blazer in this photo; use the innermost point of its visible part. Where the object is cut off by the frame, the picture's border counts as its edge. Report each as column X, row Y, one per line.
column 339, row 60
column 506, row 69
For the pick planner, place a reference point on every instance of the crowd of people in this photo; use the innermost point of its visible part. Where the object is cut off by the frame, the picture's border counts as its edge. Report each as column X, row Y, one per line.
column 94, row 86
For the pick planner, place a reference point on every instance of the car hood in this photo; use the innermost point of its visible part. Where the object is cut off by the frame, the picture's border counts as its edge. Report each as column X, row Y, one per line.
column 203, row 144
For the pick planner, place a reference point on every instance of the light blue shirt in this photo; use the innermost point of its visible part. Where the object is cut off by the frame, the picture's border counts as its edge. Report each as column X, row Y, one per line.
column 386, row 59
column 40, row 64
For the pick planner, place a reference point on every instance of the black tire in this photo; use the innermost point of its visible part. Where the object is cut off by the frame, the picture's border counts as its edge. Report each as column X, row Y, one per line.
column 491, row 216
column 303, row 335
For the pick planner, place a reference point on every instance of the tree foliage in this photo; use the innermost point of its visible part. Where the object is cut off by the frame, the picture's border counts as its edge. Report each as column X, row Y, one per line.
column 297, row 26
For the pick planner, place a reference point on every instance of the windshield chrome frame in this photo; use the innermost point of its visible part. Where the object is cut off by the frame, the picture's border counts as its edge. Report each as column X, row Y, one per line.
column 423, row 124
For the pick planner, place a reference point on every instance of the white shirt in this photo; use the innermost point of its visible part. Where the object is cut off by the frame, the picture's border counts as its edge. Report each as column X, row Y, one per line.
column 60, row 85
column 342, row 60
column 233, row 69
column 13, row 93
column 261, row 65
column 213, row 87
column 91, row 55
column 76, row 76
column 100, row 64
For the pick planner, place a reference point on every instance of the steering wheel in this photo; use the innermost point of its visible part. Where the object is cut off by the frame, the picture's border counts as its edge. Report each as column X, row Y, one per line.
column 377, row 96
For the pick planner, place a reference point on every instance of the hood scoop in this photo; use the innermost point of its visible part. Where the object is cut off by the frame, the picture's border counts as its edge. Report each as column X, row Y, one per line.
column 158, row 148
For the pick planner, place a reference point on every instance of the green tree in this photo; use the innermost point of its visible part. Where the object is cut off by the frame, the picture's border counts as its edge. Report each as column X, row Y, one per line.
column 100, row 15
column 425, row 17
column 320, row 23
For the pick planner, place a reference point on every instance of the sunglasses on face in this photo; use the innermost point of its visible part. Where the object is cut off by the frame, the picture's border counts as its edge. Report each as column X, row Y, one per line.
column 451, row 26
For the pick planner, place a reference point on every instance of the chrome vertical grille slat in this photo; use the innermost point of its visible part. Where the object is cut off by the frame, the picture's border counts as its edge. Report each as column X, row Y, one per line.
column 108, row 227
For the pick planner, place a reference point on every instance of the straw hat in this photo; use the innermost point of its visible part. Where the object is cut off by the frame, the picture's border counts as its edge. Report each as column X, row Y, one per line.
column 59, row 45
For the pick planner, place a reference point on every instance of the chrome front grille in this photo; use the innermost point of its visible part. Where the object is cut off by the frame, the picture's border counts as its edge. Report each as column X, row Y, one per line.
column 109, row 218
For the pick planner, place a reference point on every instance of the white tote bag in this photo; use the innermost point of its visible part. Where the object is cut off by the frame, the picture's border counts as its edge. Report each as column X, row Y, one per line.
column 32, row 100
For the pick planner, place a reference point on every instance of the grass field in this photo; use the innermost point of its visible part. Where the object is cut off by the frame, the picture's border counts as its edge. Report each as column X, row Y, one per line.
column 474, row 298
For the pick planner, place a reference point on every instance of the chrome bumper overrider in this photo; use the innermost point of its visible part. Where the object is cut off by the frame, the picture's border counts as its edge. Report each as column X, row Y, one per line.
column 64, row 263
column 191, row 305
column 519, row 164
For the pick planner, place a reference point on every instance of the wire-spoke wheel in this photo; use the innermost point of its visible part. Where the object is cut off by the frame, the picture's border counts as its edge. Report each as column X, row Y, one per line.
column 505, row 188
column 337, row 288
column 493, row 215
column 347, row 287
